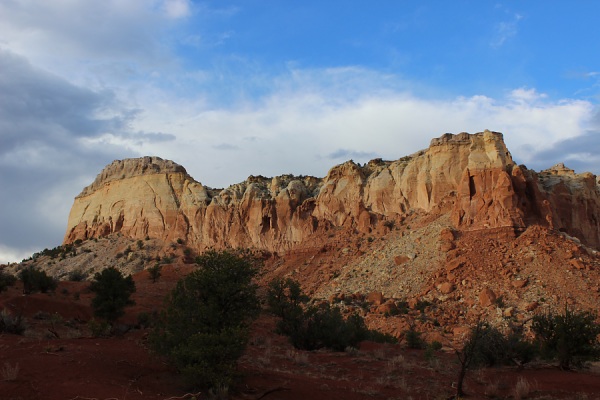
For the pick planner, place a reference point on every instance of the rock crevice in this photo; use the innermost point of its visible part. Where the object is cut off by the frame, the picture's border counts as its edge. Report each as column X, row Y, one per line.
column 470, row 176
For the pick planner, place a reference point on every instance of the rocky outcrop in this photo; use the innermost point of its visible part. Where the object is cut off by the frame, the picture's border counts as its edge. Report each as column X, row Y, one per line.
column 471, row 176
column 573, row 201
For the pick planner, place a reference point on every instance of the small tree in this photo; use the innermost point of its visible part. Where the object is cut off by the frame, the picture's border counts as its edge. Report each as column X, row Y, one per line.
column 6, row 280
column 205, row 326
column 285, row 299
column 155, row 272
column 487, row 346
column 572, row 337
column 36, row 280
column 113, row 293
column 467, row 355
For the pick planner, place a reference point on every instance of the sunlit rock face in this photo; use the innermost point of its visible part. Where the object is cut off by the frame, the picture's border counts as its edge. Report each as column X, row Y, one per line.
column 470, row 176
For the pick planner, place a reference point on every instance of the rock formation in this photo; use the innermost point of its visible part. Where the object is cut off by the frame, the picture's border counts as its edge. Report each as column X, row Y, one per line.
column 470, row 176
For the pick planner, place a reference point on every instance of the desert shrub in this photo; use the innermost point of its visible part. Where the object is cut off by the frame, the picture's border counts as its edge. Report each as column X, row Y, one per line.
column 422, row 305
column 154, row 272
column 11, row 324
column 494, row 348
column 36, row 280
column 205, row 326
column 324, row 326
column 413, row 338
column 6, row 280
column 571, row 337
column 402, row 307
column 77, row 275
column 311, row 327
column 381, row 337
column 487, row 346
column 113, row 293
column 286, row 300
column 99, row 328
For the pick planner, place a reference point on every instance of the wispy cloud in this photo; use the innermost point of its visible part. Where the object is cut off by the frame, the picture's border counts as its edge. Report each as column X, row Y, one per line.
column 505, row 30
column 345, row 154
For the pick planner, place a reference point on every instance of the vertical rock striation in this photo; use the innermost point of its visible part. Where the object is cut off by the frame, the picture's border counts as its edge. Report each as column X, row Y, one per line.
column 471, row 176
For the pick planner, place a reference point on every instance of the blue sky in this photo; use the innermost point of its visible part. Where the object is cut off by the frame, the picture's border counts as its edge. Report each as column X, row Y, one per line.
column 230, row 89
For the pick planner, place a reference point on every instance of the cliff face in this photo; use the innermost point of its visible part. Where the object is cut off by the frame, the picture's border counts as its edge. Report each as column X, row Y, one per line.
column 473, row 177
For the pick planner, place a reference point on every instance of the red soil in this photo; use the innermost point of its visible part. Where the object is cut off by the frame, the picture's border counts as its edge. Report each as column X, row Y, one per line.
column 57, row 358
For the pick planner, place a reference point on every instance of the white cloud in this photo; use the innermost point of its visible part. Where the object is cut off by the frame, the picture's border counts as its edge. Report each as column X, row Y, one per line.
column 177, row 8
column 86, row 82
column 308, row 118
column 10, row 254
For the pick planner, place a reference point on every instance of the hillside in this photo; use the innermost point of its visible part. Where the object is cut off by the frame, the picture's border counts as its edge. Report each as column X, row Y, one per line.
column 436, row 241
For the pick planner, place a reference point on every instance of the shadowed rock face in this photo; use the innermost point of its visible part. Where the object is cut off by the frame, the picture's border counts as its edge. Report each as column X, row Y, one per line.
column 471, row 176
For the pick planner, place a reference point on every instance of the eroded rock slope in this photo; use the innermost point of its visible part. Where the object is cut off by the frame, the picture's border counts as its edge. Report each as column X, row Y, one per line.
column 470, row 176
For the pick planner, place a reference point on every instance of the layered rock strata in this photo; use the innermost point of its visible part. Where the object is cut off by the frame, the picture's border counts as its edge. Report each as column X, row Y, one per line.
column 471, row 176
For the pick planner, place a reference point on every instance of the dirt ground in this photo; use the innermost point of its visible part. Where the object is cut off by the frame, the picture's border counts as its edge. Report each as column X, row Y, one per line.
column 58, row 358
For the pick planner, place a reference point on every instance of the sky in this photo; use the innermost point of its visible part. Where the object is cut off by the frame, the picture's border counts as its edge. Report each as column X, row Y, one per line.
column 230, row 89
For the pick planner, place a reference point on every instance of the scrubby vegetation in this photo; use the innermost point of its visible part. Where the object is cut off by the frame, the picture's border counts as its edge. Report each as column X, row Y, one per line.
column 570, row 337
column 77, row 275
column 6, row 280
column 9, row 323
column 113, row 293
column 154, row 272
column 205, row 327
column 314, row 326
column 36, row 280
column 62, row 251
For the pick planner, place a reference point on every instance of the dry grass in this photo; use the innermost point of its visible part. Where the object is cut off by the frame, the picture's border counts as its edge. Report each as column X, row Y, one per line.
column 396, row 363
column 379, row 354
column 522, row 389
column 352, row 351
column 10, row 373
column 298, row 357
column 492, row 389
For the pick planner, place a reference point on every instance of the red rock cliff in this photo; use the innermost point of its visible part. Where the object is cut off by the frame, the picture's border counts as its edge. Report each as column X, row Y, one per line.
column 472, row 176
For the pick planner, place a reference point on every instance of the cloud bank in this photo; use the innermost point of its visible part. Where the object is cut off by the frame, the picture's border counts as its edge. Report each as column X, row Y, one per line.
column 83, row 83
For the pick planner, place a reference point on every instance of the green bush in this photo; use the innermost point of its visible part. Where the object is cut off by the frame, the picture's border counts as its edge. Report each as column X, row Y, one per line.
column 154, row 272
column 286, row 300
column 493, row 348
column 571, row 337
column 311, row 327
column 205, row 327
column 113, row 293
column 6, row 280
column 324, row 326
column 99, row 328
column 413, row 338
column 36, row 280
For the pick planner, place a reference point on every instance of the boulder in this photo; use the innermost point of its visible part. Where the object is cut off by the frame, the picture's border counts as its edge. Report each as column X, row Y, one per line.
column 375, row 298
column 445, row 288
column 487, row 297
column 519, row 283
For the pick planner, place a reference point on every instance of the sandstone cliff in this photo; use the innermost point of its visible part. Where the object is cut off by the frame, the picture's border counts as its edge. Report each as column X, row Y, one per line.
column 470, row 176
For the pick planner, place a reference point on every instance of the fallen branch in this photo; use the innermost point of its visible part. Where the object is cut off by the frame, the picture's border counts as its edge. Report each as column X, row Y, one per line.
column 268, row 392
column 185, row 396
